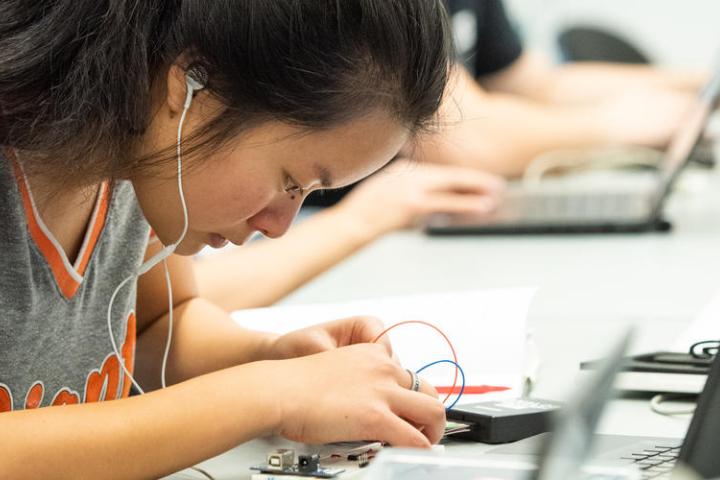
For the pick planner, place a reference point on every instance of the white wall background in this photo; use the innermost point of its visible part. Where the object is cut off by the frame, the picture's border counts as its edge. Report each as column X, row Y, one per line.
column 673, row 32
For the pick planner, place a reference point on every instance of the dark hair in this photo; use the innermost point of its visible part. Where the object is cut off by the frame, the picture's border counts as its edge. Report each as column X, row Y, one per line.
column 77, row 76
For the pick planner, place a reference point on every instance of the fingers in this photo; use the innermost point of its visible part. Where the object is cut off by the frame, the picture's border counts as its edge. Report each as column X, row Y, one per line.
column 422, row 411
column 469, row 180
column 367, row 330
column 396, row 359
column 385, row 342
column 458, row 204
column 428, row 389
column 399, row 433
column 446, row 177
column 425, row 387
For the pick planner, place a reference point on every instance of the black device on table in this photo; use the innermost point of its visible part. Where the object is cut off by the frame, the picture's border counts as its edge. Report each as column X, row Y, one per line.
column 666, row 372
column 657, row 457
column 504, row 421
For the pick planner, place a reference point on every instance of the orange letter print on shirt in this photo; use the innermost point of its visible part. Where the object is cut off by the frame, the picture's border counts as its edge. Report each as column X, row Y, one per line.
column 6, row 404
column 101, row 384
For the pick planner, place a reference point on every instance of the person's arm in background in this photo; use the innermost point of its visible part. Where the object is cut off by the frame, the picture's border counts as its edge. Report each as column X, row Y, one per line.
column 261, row 273
column 535, row 77
column 502, row 133
column 519, row 105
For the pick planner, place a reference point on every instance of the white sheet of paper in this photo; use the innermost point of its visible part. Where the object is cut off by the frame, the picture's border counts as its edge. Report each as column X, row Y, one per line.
column 487, row 328
column 705, row 327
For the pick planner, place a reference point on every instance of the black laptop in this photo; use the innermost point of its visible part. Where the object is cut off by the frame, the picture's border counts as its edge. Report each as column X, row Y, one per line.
column 632, row 202
column 658, row 457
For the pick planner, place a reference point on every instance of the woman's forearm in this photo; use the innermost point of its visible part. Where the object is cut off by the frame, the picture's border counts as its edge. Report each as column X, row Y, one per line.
column 204, row 339
column 140, row 437
column 262, row 273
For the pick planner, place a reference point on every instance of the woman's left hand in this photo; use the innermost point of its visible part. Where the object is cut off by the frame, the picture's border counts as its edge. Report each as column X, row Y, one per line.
column 405, row 193
column 328, row 336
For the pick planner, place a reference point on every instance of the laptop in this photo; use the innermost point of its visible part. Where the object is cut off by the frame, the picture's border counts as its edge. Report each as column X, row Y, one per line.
column 657, row 457
column 559, row 455
column 621, row 203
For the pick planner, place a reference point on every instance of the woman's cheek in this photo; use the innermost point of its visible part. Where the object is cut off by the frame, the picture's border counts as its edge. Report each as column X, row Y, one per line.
column 228, row 210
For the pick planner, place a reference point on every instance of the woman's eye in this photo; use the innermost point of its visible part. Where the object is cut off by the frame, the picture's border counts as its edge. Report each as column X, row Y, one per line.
column 293, row 188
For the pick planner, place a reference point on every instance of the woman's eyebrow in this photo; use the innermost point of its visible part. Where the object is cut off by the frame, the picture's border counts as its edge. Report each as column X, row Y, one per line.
column 324, row 175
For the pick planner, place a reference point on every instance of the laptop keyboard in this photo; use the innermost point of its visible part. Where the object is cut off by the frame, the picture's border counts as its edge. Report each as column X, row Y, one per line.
column 558, row 207
column 656, row 462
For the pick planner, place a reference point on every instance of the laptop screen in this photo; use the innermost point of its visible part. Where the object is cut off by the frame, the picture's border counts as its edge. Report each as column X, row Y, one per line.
column 687, row 137
column 568, row 446
column 700, row 449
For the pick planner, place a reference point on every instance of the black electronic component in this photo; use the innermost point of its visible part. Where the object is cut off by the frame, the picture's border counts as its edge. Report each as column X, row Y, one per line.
column 281, row 462
column 504, row 421
column 308, row 463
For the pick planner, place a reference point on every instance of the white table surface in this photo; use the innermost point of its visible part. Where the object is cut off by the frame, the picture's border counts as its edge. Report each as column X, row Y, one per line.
column 591, row 288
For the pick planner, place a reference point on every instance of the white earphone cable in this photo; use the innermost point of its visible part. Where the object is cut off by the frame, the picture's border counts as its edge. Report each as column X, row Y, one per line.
column 162, row 257
column 157, row 258
column 170, row 325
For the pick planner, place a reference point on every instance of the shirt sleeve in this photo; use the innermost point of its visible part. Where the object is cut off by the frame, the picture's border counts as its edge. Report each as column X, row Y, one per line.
column 486, row 42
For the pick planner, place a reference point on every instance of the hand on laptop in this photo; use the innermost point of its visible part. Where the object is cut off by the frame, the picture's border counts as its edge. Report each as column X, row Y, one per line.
column 405, row 193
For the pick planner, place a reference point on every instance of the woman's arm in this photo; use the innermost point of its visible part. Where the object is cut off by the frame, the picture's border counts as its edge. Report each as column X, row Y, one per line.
column 161, row 432
column 261, row 273
column 204, row 338
column 167, row 430
column 140, row 437
column 400, row 196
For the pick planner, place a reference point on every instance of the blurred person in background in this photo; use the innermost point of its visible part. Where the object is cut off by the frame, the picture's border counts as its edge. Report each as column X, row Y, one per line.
column 509, row 104
column 506, row 106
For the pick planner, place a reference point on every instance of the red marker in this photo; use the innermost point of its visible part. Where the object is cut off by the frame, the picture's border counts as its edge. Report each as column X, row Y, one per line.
column 472, row 389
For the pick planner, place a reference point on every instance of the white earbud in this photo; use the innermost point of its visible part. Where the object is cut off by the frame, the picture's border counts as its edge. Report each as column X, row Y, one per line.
column 196, row 78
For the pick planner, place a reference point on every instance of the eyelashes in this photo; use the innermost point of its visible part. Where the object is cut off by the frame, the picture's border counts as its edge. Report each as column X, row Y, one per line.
column 292, row 188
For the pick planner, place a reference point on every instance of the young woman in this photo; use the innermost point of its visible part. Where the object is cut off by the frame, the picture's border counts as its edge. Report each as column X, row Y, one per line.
column 205, row 120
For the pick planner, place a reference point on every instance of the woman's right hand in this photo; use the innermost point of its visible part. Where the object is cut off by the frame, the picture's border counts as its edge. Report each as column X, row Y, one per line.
column 354, row 393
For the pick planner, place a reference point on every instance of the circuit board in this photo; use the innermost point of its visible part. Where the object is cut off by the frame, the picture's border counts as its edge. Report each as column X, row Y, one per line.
column 320, row 472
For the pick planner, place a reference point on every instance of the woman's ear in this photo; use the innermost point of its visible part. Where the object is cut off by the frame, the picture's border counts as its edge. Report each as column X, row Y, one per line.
column 176, row 89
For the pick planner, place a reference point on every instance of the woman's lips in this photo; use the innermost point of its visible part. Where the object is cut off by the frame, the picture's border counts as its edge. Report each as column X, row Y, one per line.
column 216, row 240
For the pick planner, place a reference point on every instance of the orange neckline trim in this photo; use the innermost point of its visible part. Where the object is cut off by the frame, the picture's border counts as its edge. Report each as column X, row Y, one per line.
column 67, row 277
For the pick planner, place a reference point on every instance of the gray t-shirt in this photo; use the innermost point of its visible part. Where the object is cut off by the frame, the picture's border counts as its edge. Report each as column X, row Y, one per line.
column 54, row 342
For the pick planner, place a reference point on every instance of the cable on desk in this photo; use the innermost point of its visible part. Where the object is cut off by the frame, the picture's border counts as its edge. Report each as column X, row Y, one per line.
column 656, row 405
column 452, row 348
column 203, row 473
column 608, row 157
column 457, row 369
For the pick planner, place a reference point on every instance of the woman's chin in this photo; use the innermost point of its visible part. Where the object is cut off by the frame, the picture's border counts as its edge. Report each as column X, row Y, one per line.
column 189, row 247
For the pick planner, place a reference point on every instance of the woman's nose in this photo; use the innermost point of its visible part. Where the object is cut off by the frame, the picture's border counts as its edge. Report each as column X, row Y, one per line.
column 275, row 219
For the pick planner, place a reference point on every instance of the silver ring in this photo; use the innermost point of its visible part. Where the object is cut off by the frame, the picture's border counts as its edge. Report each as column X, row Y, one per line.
column 414, row 381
